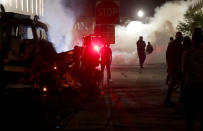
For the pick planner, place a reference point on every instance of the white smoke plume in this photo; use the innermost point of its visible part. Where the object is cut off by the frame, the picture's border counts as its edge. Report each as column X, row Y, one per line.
column 157, row 31
column 2, row 2
column 60, row 21
column 160, row 27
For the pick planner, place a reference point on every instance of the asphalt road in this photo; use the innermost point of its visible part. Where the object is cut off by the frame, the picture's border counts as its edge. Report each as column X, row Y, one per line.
column 132, row 102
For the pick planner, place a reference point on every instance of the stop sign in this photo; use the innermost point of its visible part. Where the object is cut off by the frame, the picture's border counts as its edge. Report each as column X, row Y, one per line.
column 107, row 12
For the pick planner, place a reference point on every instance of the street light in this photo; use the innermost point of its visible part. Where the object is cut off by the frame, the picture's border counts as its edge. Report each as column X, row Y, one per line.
column 140, row 13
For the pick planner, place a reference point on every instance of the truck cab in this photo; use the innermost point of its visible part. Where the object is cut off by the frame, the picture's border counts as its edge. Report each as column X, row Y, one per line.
column 24, row 48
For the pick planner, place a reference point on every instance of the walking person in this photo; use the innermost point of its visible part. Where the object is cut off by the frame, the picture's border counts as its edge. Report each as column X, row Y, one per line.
column 149, row 48
column 192, row 68
column 106, row 59
column 174, row 54
column 187, row 45
column 141, row 51
column 168, row 77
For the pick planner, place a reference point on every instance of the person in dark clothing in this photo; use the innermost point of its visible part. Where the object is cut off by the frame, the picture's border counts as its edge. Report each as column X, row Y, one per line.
column 174, row 54
column 192, row 68
column 90, row 60
column 149, row 48
column 106, row 59
column 90, row 57
column 168, row 73
column 171, row 39
column 187, row 43
column 141, row 51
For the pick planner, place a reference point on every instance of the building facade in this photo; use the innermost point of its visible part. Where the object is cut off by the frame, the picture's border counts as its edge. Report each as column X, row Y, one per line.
column 29, row 7
column 197, row 3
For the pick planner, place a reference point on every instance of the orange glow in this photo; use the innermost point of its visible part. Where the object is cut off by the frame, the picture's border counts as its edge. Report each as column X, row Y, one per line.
column 96, row 48
column 44, row 89
column 55, row 67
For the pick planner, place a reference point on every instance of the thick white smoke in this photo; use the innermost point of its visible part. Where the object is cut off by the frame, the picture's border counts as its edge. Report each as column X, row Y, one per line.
column 2, row 2
column 157, row 31
column 60, row 21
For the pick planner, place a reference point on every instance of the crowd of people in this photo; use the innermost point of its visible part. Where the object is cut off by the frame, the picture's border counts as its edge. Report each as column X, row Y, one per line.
column 184, row 58
column 88, row 58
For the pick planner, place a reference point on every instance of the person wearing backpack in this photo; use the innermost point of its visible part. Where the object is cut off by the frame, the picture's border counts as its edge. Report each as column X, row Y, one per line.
column 149, row 48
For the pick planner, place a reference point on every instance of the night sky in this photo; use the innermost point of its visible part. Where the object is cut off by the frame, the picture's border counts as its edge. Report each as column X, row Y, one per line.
column 128, row 8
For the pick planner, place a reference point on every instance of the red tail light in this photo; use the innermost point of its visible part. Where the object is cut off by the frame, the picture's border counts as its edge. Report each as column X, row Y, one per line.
column 96, row 48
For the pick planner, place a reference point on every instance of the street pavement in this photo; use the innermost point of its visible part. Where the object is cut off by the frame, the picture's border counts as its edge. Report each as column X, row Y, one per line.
column 134, row 101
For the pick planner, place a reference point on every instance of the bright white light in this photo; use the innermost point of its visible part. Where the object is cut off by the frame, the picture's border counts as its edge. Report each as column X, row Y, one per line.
column 42, row 8
column 140, row 13
column 44, row 89
column 27, row 4
column 16, row 4
column 55, row 67
column 40, row 5
column 96, row 48
column 32, row 6
column 2, row 2
column 36, row 8
column 22, row 5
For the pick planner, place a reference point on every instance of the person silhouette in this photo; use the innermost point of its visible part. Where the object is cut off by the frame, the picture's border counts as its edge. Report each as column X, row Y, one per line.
column 174, row 54
column 192, row 68
column 106, row 59
column 149, row 48
column 141, row 51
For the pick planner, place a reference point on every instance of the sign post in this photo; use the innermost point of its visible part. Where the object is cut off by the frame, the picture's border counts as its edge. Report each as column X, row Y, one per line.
column 107, row 12
column 107, row 32
column 107, row 15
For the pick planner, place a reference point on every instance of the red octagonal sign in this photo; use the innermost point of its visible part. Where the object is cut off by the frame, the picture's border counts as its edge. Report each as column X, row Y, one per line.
column 107, row 12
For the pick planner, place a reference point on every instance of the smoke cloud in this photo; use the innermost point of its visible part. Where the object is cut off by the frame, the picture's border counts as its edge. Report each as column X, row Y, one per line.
column 60, row 21
column 61, row 18
column 157, row 31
